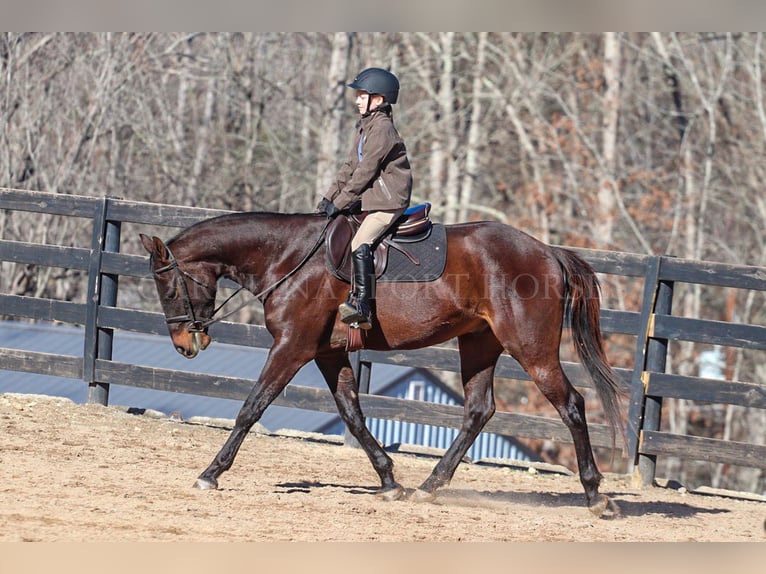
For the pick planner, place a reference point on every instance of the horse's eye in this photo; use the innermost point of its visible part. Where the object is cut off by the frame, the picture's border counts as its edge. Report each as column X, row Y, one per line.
column 172, row 292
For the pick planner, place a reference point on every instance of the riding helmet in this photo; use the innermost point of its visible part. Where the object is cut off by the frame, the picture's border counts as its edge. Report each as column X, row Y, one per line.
column 377, row 81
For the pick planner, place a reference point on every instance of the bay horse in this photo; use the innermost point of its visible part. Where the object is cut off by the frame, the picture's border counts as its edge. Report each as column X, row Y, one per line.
column 501, row 290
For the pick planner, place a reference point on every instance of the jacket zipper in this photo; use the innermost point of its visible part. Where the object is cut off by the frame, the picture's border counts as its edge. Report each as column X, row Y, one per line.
column 384, row 187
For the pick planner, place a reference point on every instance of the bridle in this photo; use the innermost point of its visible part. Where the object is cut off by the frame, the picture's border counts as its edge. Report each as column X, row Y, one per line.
column 197, row 325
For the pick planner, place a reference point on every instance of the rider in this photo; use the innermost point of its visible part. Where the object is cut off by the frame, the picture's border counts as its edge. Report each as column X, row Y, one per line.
column 377, row 171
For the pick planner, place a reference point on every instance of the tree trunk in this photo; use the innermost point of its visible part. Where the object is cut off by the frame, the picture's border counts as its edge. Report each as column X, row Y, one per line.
column 606, row 195
column 446, row 167
column 474, row 130
column 336, row 102
column 203, row 137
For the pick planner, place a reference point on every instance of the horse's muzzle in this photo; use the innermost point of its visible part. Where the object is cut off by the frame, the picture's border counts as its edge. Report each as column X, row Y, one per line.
column 190, row 343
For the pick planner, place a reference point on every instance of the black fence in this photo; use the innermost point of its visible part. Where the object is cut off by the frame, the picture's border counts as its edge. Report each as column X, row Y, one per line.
column 654, row 327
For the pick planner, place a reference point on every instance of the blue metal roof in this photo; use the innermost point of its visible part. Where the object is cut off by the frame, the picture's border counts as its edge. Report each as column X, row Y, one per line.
column 157, row 351
column 236, row 361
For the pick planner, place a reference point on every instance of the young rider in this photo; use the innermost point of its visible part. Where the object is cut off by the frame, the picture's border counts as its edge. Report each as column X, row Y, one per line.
column 377, row 171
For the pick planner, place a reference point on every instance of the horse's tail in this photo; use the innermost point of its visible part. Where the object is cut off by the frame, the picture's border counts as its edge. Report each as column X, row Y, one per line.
column 583, row 308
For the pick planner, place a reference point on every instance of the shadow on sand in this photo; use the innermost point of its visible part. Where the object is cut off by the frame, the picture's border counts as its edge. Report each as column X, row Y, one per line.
column 627, row 502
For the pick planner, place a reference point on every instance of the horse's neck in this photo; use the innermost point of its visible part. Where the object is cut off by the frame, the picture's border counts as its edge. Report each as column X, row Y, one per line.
column 254, row 246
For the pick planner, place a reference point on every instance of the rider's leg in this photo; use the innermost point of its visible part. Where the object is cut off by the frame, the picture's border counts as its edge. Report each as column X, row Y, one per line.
column 356, row 309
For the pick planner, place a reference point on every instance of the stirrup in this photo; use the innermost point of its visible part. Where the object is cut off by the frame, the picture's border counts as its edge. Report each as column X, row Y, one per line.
column 354, row 316
column 364, row 324
column 346, row 310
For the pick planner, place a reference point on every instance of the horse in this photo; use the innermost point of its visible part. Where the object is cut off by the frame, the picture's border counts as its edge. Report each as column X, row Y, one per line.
column 502, row 290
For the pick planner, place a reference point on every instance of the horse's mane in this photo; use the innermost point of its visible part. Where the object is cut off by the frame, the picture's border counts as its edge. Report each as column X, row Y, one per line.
column 240, row 217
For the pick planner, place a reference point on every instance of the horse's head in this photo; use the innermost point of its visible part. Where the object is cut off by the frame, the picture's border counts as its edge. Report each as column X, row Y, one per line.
column 187, row 296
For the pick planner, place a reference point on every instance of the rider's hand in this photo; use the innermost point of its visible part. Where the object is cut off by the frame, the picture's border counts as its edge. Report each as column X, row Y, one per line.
column 327, row 207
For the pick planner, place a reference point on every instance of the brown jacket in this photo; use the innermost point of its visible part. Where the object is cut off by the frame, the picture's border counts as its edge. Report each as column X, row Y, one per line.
column 378, row 170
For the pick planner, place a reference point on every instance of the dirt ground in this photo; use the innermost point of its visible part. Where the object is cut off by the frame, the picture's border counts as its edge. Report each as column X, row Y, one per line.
column 89, row 473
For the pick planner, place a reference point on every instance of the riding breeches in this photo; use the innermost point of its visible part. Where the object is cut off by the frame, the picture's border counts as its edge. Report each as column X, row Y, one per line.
column 374, row 226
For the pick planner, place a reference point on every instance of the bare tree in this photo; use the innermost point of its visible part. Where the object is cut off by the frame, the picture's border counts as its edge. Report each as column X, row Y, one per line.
column 607, row 190
column 336, row 103
column 474, row 145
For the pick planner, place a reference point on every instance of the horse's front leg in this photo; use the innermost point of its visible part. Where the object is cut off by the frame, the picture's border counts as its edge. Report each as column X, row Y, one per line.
column 281, row 366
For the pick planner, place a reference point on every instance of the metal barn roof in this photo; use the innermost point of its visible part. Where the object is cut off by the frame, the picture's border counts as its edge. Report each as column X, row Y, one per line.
column 156, row 351
column 236, row 361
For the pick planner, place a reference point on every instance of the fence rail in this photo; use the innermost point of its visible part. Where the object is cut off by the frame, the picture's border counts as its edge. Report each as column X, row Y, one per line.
column 654, row 327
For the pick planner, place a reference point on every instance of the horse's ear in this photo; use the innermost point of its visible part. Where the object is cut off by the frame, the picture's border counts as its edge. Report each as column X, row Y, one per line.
column 154, row 246
column 147, row 241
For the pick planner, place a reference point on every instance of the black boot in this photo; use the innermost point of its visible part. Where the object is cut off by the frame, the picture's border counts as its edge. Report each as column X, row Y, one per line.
column 357, row 308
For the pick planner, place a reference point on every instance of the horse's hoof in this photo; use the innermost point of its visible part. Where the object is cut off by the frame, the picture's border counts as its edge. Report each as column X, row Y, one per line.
column 206, row 484
column 391, row 494
column 604, row 507
column 422, row 496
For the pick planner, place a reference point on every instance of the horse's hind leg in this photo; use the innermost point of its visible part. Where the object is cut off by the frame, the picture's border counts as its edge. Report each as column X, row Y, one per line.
column 478, row 355
column 570, row 405
column 533, row 339
column 340, row 378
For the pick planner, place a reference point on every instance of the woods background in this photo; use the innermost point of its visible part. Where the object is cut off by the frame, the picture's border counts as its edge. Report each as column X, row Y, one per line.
column 642, row 142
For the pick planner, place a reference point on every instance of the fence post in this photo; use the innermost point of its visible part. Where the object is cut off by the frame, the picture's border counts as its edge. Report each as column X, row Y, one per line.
column 102, row 290
column 362, row 372
column 636, row 407
column 656, row 359
column 651, row 355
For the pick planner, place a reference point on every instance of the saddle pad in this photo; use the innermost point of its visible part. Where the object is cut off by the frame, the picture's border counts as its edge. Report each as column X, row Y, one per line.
column 430, row 253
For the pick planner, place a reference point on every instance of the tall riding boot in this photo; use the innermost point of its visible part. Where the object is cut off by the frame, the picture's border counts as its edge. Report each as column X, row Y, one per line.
column 357, row 308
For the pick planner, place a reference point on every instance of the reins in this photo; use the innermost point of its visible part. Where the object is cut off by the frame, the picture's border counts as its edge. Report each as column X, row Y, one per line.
column 198, row 325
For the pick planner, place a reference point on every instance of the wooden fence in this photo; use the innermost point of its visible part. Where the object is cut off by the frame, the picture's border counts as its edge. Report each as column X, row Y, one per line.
column 648, row 383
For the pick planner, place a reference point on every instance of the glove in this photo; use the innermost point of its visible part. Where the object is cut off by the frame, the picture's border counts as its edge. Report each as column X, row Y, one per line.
column 327, row 207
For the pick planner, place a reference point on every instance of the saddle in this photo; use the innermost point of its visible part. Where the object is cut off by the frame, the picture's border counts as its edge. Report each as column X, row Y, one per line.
column 413, row 227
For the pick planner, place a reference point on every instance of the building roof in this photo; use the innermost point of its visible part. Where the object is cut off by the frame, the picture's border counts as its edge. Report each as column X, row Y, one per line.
column 157, row 351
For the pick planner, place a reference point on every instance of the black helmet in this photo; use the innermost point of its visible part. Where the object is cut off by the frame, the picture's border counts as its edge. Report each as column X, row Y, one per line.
column 377, row 81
